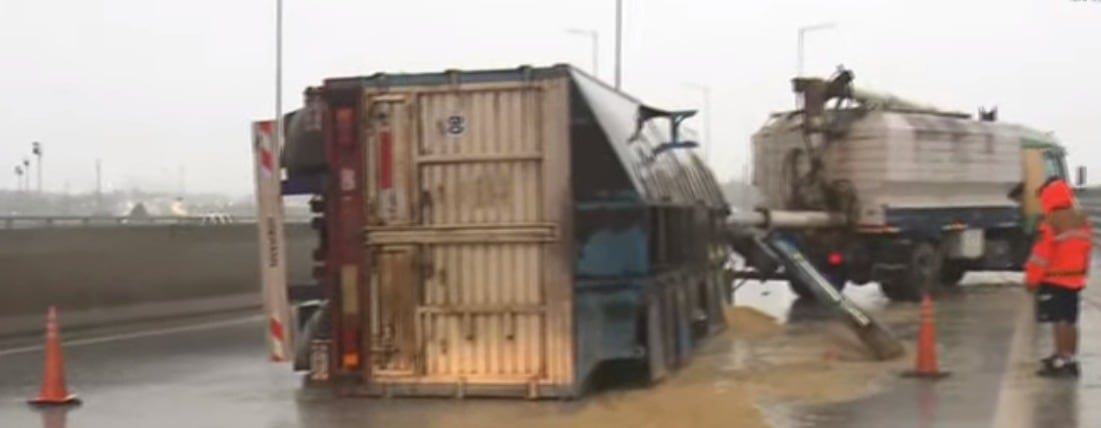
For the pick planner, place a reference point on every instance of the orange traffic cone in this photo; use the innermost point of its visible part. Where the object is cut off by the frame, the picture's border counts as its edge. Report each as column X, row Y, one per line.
column 55, row 417
column 54, row 391
column 925, row 364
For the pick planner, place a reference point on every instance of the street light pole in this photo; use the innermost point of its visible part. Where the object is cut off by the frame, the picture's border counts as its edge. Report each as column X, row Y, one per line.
column 278, row 75
column 802, row 35
column 99, row 186
column 706, row 91
column 27, row 175
column 618, row 43
column 36, row 149
column 18, row 178
column 182, row 177
column 595, row 39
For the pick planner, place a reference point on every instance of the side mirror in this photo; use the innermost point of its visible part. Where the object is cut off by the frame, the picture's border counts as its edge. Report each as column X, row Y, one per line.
column 1080, row 177
column 1016, row 192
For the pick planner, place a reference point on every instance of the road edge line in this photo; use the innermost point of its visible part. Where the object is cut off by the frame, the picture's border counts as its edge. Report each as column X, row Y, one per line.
column 137, row 335
column 1013, row 408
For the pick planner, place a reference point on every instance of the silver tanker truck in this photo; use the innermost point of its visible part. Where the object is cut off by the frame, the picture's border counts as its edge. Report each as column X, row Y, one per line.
column 874, row 188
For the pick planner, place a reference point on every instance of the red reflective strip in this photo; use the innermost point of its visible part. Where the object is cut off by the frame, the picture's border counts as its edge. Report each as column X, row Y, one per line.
column 1065, row 273
column 385, row 159
column 276, row 328
column 266, row 128
column 351, row 351
column 266, row 159
column 344, row 127
column 1073, row 234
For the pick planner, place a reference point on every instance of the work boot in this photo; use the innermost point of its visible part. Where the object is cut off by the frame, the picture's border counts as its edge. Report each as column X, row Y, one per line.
column 1058, row 368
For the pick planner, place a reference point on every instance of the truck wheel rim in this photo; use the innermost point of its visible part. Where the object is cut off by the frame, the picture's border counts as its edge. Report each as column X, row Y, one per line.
column 925, row 264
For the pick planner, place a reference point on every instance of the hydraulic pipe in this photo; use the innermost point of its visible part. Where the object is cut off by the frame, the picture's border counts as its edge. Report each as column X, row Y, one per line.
column 786, row 219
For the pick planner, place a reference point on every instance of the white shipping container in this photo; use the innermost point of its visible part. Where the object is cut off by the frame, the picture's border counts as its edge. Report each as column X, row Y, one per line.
column 469, row 201
column 498, row 262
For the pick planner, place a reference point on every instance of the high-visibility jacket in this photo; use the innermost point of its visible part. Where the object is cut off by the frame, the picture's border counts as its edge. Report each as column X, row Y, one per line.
column 1060, row 258
column 1061, row 252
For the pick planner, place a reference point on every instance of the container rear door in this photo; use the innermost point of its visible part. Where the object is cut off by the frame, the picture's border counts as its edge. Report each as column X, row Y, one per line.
column 459, row 229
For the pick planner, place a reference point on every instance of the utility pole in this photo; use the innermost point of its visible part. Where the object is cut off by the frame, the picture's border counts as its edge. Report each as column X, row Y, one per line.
column 618, row 43
column 747, row 200
column 278, row 75
column 182, row 178
column 802, row 33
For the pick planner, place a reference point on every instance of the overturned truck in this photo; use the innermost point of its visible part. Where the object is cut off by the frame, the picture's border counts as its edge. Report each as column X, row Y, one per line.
column 500, row 233
column 877, row 188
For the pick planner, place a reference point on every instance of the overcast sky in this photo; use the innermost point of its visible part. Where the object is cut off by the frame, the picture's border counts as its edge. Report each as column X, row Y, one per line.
column 154, row 88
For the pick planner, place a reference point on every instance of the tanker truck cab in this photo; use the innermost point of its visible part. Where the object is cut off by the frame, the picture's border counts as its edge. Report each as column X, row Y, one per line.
column 1041, row 160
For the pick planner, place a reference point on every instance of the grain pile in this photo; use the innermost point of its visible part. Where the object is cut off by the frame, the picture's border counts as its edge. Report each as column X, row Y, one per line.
column 747, row 322
column 758, row 369
column 734, row 378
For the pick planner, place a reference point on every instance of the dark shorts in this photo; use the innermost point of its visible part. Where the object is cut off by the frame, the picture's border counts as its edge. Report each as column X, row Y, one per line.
column 1056, row 304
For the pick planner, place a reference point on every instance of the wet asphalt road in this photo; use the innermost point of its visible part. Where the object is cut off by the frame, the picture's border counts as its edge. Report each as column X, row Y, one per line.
column 990, row 347
column 974, row 328
column 215, row 375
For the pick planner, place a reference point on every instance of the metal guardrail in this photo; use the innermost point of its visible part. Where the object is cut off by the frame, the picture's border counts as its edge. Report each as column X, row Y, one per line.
column 38, row 222
column 1089, row 199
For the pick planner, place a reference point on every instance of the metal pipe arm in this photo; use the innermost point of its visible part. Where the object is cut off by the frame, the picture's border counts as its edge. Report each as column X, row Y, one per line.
column 770, row 219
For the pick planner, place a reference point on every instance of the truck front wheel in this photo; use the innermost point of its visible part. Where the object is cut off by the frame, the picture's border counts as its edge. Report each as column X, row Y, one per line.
column 923, row 275
column 952, row 273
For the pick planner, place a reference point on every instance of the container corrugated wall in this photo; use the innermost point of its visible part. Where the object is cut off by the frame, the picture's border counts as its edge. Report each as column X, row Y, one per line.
column 469, row 209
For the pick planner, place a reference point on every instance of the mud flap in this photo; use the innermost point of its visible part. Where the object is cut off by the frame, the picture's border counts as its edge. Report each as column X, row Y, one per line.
column 883, row 344
column 309, row 318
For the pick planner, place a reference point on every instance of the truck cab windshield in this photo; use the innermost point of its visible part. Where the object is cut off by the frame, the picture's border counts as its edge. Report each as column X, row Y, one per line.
column 1054, row 165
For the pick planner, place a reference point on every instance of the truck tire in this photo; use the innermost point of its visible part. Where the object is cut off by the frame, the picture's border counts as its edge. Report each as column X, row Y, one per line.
column 923, row 275
column 952, row 273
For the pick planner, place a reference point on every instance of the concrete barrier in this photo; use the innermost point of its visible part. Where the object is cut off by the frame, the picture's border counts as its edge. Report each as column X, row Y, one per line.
column 103, row 275
column 126, row 273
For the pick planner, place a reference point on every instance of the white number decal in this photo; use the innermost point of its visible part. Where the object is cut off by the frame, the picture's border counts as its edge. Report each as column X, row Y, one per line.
column 455, row 125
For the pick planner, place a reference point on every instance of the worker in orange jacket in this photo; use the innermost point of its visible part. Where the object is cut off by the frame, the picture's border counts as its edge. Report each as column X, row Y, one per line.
column 1056, row 273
